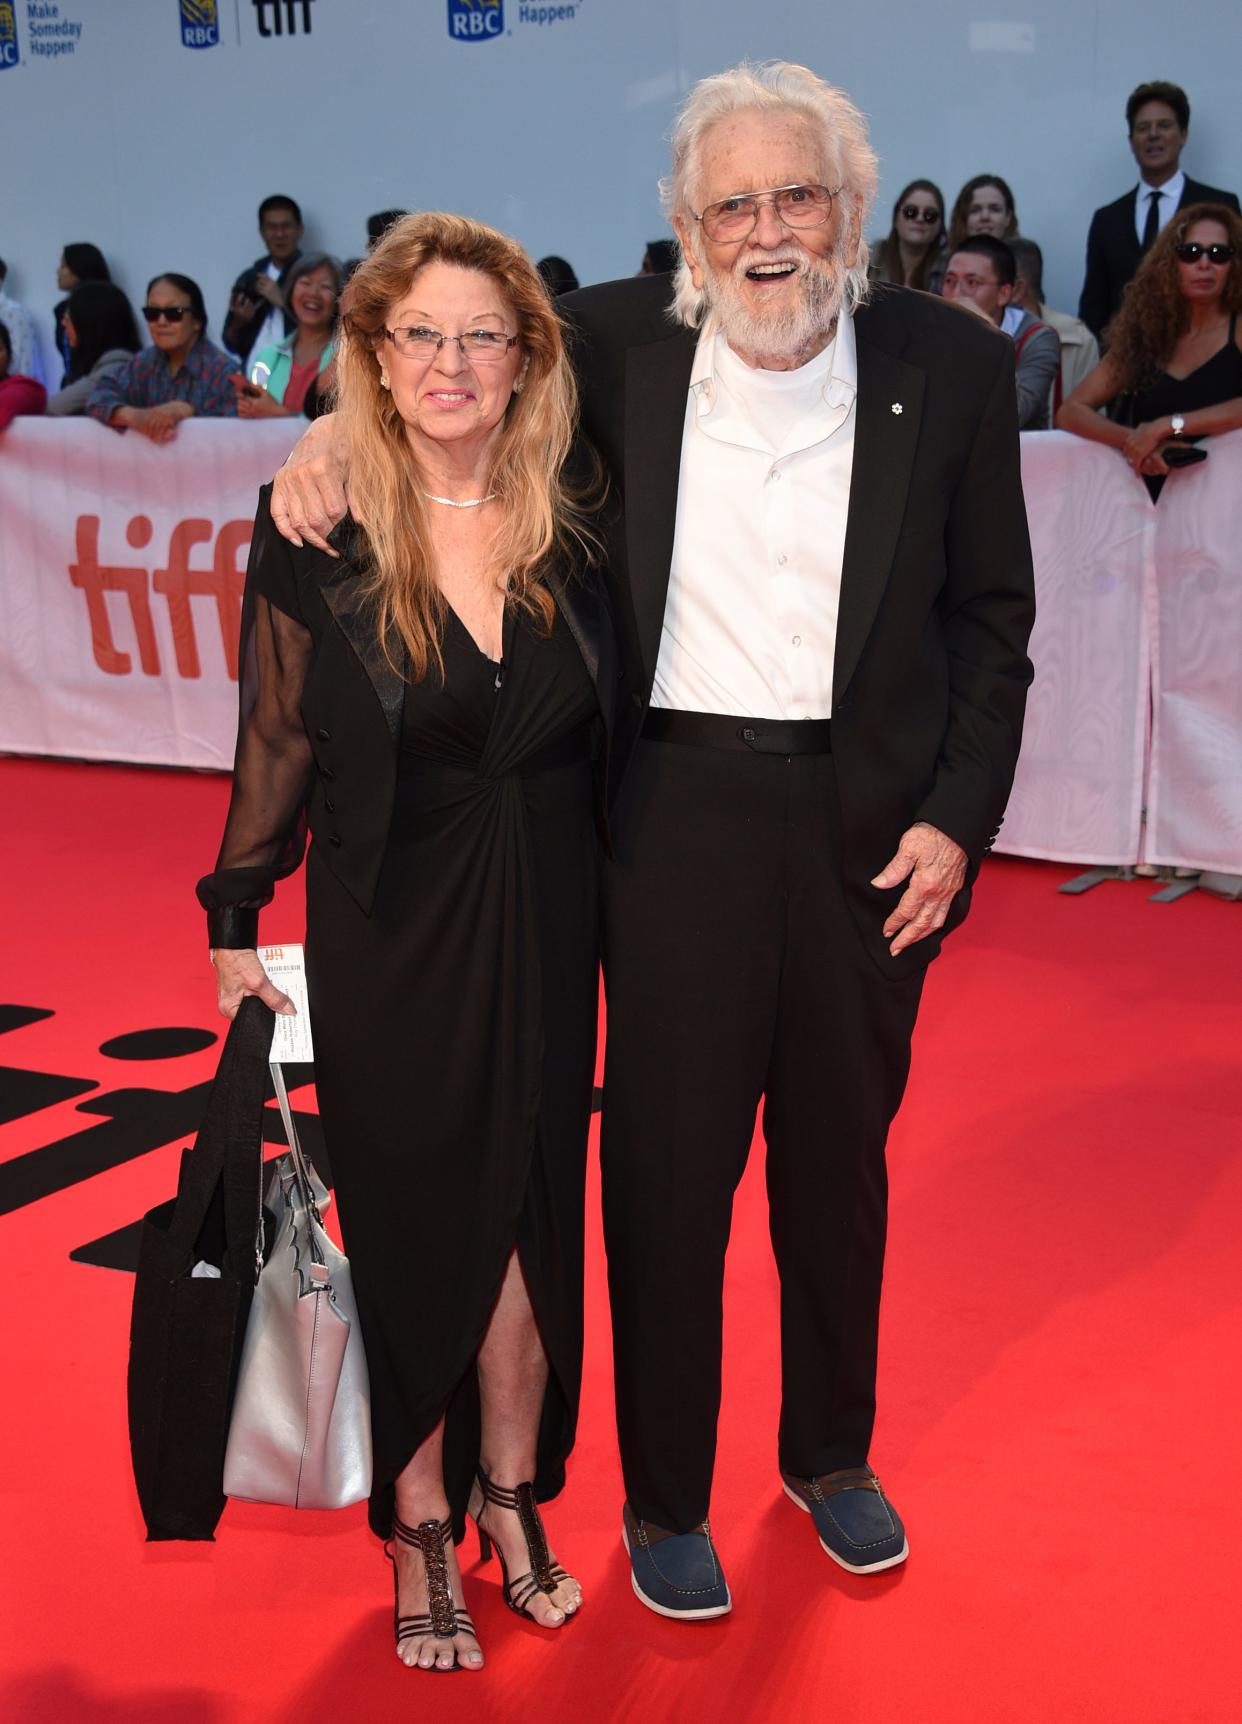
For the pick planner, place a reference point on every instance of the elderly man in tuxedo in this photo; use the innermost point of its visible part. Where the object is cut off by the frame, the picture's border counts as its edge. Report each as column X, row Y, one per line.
column 822, row 585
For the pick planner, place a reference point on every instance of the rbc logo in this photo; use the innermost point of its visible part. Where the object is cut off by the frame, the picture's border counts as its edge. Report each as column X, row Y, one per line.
column 475, row 20
column 10, row 53
column 200, row 24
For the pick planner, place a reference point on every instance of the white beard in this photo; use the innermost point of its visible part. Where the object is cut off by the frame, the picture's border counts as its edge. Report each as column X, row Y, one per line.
column 785, row 331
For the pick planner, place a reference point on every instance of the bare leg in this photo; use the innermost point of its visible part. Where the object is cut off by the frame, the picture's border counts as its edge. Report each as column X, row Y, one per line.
column 513, row 1375
column 420, row 1497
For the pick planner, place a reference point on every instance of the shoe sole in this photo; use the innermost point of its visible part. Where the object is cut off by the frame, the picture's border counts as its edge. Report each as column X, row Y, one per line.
column 852, row 1567
column 704, row 1615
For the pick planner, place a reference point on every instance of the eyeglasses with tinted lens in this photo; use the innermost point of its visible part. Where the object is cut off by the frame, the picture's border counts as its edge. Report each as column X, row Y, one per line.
column 734, row 218
column 479, row 346
column 169, row 313
column 1192, row 251
column 912, row 212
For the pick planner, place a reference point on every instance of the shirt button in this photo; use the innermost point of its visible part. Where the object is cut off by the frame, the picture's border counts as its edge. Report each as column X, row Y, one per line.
column 775, row 473
column 797, row 640
column 781, row 559
column 322, row 735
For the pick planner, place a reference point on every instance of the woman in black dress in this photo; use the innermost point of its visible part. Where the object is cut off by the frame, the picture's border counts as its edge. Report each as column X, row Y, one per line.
column 1173, row 369
column 433, row 704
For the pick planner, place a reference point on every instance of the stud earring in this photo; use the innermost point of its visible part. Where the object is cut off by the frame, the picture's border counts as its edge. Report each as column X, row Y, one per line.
column 383, row 380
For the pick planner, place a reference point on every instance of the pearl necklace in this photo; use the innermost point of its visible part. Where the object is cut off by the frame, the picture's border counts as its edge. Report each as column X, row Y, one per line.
column 459, row 503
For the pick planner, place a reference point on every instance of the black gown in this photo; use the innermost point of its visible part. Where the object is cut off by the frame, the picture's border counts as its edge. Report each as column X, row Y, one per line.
column 1217, row 379
column 454, row 1034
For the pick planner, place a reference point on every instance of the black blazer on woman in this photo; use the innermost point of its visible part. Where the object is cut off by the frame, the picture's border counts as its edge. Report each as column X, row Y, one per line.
column 937, row 590
column 320, row 726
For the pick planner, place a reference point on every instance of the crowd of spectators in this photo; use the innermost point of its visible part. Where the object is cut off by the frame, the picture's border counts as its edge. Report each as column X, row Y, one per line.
column 1160, row 297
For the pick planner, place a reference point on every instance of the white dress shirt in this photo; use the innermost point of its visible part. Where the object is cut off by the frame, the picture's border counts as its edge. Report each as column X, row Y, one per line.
column 272, row 329
column 750, row 625
column 1170, row 194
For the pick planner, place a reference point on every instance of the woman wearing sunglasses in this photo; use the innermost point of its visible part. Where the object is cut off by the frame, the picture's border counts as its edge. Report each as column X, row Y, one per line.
column 1173, row 370
column 179, row 374
column 915, row 242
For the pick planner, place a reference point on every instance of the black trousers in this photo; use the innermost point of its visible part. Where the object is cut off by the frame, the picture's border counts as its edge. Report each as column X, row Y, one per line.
column 734, row 971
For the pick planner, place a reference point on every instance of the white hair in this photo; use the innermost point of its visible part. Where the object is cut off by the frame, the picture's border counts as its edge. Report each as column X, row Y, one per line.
column 769, row 87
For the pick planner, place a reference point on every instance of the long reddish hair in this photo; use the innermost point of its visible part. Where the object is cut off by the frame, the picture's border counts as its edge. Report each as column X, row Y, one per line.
column 537, row 513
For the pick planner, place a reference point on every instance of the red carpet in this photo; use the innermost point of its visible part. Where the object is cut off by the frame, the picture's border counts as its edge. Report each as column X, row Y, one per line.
column 1060, row 1378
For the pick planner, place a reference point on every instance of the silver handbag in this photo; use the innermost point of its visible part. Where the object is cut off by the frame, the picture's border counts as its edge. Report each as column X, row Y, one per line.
column 300, row 1431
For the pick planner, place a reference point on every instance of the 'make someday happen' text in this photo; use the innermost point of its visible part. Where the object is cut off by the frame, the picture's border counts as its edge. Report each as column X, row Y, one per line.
column 49, row 34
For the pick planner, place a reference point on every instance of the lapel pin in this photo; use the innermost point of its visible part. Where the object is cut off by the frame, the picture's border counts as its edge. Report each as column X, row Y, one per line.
column 896, row 406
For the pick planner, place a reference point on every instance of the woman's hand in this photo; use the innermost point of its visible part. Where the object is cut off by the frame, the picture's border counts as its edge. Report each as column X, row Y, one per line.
column 239, row 973
column 256, row 403
column 1143, row 442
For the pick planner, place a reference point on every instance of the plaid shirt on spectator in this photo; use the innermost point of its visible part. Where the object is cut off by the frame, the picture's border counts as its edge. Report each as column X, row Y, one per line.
column 203, row 382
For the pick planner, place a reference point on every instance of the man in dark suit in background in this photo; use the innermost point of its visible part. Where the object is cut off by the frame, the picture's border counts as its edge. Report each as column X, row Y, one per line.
column 822, row 587
column 1158, row 122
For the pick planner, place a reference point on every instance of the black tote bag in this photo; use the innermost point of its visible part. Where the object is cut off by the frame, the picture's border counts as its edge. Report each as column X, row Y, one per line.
column 186, row 1331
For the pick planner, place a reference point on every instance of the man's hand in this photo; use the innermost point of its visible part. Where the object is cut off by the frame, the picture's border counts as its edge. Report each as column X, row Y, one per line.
column 270, row 290
column 308, row 493
column 239, row 973
column 936, row 868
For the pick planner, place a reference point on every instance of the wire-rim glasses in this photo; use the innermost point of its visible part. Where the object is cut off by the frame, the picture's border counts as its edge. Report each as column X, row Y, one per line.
column 479, row 346
column 796, row 206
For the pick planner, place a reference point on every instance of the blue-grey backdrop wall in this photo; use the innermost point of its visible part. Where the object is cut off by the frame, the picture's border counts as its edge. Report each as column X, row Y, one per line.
column 548, row 120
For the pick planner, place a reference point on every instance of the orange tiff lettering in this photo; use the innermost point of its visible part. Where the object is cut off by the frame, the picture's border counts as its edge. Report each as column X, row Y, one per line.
column 176, row 583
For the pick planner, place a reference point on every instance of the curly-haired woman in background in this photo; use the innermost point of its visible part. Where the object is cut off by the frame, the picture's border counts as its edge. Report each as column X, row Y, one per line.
column 1173, row 370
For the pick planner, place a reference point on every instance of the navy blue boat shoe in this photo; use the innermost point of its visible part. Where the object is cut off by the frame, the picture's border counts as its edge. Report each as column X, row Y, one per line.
column 856, row 1523
column 675, row 1574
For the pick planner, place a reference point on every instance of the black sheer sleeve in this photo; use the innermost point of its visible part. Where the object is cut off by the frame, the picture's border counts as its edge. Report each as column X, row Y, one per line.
column 265, row 832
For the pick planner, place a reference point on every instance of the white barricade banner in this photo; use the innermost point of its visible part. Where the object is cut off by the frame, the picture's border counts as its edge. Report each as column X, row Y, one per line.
column 1078, row 794
column 122, row 564
column 1194, row 806
column 1138, row 636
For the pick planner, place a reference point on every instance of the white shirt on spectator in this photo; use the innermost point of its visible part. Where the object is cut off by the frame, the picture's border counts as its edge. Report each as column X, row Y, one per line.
column 26, row 360
column 272, row 329
column 1170, row 194
column 750, row 625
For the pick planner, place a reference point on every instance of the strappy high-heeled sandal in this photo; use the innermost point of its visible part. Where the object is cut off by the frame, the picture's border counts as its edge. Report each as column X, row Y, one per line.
column 544, row 1575
column 442, row 1617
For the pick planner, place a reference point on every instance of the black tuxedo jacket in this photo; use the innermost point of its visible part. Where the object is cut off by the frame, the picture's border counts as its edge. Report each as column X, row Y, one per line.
column 937, row 592
column 1114, row 252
